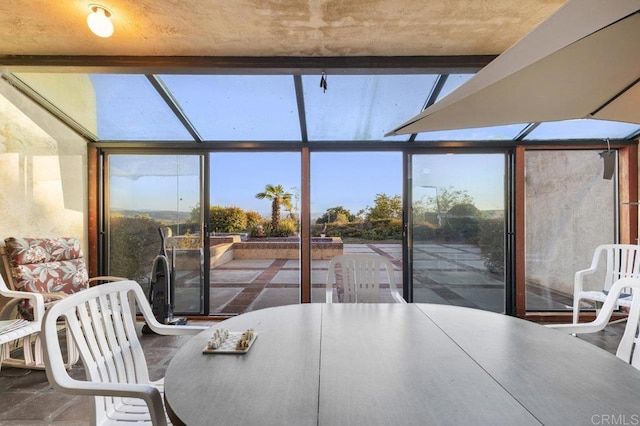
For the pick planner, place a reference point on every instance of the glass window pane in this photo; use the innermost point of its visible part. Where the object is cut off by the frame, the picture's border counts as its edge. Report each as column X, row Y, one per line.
column 582, row 129
column 129, row 108
column 458, row 232
column 255, row 259
column 115, row 107
column 55, row 88
column 484, row 133
column 238, row 107
column 362, row 107
column 569, row 211
column 149, row 193
column 358, row 210
column 453, row 82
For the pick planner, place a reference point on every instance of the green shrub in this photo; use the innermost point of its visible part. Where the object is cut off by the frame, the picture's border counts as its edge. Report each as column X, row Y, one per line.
column 134, row 243
column 463, row 223
column 424, row 232
column 253, row 220
column 491, row 242
column 286, row 228
column 227, row 219
column 185, row 241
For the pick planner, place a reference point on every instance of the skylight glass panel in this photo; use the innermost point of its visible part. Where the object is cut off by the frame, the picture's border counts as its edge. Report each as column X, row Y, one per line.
column 582, row 129
column 362, row 107
column 116, row 107
column 238, row 107
column 129, row 108
column 56, row 90
column 479, row 134
column 453, row 82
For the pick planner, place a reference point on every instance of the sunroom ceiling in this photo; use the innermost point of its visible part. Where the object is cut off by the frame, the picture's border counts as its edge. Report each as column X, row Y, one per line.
column 48, row 51
column 271, row 108
column 258, row 28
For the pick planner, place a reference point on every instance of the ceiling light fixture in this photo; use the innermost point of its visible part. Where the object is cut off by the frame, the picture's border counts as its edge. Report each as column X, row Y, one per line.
column 99, row 20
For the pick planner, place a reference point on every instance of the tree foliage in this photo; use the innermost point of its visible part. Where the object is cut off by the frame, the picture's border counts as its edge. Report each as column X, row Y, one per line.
column 336, row 214
column 447, row 198
column 385, row 207
column 279, row 198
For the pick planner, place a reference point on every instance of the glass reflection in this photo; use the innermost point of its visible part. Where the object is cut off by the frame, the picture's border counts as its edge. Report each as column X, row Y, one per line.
column 362, row 107
column 238, row 107
column 583, row 129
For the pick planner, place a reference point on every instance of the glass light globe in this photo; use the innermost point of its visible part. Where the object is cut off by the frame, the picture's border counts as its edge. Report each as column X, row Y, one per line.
column 99, row 22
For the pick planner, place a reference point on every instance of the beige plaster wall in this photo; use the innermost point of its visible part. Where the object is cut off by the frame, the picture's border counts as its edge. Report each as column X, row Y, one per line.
column 43, row 170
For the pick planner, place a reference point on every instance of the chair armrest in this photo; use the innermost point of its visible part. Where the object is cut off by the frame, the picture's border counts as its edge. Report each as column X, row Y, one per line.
column 57, row 295
column 174, row 330
column 36, row 299
column 329, row 293
column 105, row 278
column 155, row 325
column 398, row 298
column 579, row 277
column 601, row 321
column 593, row 268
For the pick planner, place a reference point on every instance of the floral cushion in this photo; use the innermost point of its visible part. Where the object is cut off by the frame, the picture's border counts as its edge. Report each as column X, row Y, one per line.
column 47, row 265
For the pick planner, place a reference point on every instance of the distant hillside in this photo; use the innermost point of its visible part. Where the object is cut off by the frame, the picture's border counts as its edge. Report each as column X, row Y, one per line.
column 164, row 216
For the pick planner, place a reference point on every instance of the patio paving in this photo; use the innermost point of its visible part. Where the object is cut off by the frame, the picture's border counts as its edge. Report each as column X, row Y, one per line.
column 443, row 273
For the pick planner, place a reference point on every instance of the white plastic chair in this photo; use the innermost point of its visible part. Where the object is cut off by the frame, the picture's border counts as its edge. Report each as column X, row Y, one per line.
column 361, row 276
column 622, row 261
column 628, row 347
column 102, row 326
column 28, row 332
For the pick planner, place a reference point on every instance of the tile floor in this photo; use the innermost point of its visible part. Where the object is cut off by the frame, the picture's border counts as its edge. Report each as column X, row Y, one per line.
column 27, row 399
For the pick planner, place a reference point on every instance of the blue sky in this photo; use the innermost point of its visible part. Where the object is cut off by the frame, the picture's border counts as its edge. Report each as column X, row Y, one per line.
column 351, row 180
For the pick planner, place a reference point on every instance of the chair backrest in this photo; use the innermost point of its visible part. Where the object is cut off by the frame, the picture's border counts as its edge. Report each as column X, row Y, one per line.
column 46, row 265
column 101, row 324
column 628, row 348
column 623, row 261
column 361, row 276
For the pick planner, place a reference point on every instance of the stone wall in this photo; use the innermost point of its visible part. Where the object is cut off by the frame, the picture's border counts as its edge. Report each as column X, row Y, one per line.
column 323, row 249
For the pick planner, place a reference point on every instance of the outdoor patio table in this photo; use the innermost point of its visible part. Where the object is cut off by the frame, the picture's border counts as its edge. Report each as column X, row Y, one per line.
column 398, row 364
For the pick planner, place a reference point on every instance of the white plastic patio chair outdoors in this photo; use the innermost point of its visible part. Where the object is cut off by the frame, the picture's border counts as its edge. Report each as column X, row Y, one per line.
column 628, row 347
column 622, row 261
column 360, row 276
column 102, row 326
column 29, row 331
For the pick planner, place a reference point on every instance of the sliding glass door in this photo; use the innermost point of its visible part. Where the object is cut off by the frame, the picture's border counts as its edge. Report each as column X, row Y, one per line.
column 153, row 208
column 457, row 236
column 356, row 208
column 254, row 231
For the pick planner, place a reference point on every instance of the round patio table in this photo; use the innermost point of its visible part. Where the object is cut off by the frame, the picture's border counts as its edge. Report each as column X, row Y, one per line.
column 398, row 364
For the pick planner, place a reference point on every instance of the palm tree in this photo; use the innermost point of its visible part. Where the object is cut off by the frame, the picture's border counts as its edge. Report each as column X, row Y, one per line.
column 278, row 198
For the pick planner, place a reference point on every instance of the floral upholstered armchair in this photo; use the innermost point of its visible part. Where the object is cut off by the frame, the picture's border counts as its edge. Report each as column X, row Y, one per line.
column 52, row 267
